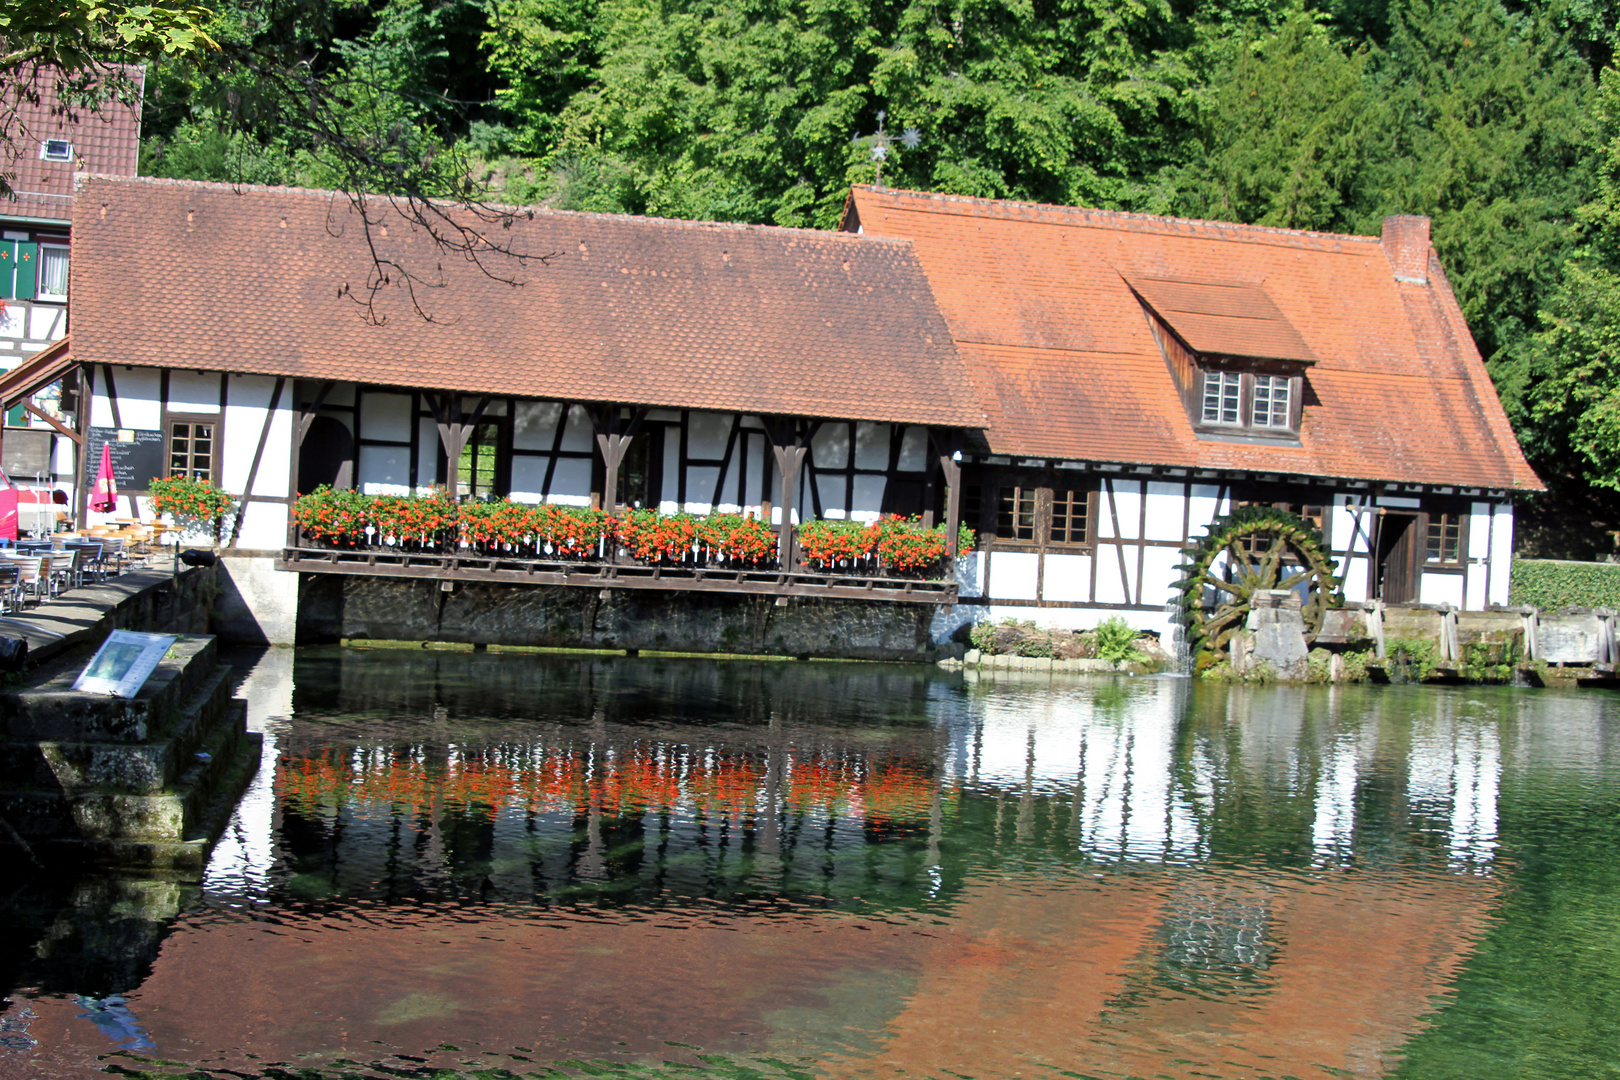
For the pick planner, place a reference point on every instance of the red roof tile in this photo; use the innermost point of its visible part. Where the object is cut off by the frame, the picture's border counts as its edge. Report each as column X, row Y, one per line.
column 104, row 140
column 632, row 310
column 1059, row 346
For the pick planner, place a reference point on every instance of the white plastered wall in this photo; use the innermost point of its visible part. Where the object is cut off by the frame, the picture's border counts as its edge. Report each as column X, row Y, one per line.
column 263, row 525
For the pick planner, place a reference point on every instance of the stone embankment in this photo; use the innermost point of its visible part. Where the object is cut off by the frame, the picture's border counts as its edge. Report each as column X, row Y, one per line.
column 142, row 783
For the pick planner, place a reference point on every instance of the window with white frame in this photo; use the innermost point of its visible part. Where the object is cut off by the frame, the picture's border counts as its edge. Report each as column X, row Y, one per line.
column 53, row 272
column 1271, row 401
column 1223, row 395
column 56, row 150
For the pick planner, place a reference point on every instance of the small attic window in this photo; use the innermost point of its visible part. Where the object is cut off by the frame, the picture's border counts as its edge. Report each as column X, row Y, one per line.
column 1236, row 359
column 56, row 150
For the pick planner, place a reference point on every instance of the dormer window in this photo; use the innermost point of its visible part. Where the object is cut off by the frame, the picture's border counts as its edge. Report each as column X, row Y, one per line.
column 1272, row 394
column 1239, row 364
column 56, row 150
column 1223, row 397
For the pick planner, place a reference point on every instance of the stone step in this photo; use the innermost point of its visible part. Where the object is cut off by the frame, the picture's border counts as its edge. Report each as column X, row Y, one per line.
column 119, row 767
column 167, row 815
column 56, row 712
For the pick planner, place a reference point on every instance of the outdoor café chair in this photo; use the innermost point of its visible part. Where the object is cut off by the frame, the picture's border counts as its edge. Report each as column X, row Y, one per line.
column 10, row 585
column 33, row 577
column 91, row 565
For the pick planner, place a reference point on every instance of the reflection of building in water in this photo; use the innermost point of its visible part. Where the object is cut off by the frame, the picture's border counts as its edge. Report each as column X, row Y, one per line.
column 1167, row 770
column 809, row 780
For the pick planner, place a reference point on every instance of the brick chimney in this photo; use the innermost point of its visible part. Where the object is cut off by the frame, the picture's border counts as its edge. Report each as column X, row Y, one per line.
column 1406, row 246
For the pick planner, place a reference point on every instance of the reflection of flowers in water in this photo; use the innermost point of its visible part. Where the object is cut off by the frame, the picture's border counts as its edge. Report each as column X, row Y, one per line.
column 624, row 781
column 111, row 1014
column 14, row 1029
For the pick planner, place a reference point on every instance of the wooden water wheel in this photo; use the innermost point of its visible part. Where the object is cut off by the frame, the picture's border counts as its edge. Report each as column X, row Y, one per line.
column 1251, row 549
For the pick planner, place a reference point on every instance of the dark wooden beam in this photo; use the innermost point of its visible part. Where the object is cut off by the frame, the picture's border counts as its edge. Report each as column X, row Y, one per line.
column 613, row 444
column 788, row 446
column 363, row 563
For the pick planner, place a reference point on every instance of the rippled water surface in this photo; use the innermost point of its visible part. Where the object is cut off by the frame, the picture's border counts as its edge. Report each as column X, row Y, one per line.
column 492, row 865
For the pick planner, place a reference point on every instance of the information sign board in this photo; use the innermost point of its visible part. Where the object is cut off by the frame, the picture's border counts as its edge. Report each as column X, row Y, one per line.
column 123, row 663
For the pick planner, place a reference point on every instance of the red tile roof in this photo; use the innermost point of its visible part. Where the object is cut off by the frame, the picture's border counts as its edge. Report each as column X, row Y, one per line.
column 632, row 310
column 1040, row 301
column 105, row 140
column 1232, row 320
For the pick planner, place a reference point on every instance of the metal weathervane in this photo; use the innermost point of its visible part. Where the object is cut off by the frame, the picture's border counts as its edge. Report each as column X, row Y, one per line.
column 882, row 142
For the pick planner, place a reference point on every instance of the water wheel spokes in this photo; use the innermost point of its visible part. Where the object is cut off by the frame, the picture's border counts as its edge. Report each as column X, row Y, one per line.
column 1251, row 550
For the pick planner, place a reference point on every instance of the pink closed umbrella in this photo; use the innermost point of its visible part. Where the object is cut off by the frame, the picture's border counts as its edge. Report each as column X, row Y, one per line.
column 104, row 496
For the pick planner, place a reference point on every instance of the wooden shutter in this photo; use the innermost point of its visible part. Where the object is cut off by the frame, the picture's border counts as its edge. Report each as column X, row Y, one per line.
column 24, row 260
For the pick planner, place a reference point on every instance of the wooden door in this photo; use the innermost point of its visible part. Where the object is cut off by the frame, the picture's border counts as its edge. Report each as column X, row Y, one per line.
column 1399, row 545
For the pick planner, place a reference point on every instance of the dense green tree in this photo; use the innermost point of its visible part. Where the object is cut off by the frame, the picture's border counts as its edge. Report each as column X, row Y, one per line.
column 1284, row 131
column 1486, row 124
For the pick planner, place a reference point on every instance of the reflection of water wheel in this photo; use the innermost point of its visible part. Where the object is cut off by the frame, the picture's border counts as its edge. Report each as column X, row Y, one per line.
column 1264, row 548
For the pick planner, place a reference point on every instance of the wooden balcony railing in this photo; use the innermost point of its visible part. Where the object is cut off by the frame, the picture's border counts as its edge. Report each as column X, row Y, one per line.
column 610, row 568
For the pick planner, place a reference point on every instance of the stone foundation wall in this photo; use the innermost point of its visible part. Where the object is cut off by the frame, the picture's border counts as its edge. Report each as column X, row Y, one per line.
column 332, row 607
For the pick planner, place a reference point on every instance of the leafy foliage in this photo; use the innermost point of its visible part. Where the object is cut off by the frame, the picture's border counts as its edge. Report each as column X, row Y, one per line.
column 1116, row 641
column 1552, row 584
column 196, row 504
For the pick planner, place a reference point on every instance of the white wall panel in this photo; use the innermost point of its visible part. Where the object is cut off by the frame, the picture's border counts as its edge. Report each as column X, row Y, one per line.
column 1066, row 578
column 264, row 526
column 384, row 470
column 1354, row 571
column 571, row 483
column 428, row 448
column 1159, row 574
column 1501, row 552
column 914, row 449
column 1441, row 589
column 385, row 416
column 830, row 447
column 1012, row 574
column 672, row 471
column 871, row 446
column 534, row 424
column 706, row 437
column 868, row 496
column 247, row 403
column 1127, row 508
column 580, row 435
column 1202, row 508
column 138, row 402
column 1112, row 588
column 190, row 391
column 700, row 488
column 528, row 479
column 1166, row 504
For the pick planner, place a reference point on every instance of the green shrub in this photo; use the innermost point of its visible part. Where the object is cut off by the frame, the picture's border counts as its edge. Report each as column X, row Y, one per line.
column 1555, row 583
column 1116, row 642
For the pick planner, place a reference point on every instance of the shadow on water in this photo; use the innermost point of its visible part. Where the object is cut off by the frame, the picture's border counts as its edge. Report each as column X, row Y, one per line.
column 497, row 865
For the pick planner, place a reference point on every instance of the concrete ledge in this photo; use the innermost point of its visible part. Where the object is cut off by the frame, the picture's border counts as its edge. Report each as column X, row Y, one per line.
column 149, row 600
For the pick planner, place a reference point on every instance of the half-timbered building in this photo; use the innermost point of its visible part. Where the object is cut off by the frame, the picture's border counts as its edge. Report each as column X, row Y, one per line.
column 1086, row 390
column 1142, row 375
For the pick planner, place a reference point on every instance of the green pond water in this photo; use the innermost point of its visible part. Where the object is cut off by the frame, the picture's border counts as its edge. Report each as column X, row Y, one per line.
column 496, row 865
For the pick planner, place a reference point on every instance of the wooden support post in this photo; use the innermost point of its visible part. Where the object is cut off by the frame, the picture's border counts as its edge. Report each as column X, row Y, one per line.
column 454, row 431
column 789, row 452
column 613, row 444
column 948, row 445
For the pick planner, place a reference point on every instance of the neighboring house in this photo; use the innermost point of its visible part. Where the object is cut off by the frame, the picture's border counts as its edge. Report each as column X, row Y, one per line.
column 47, row 142
column 1142, row 375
